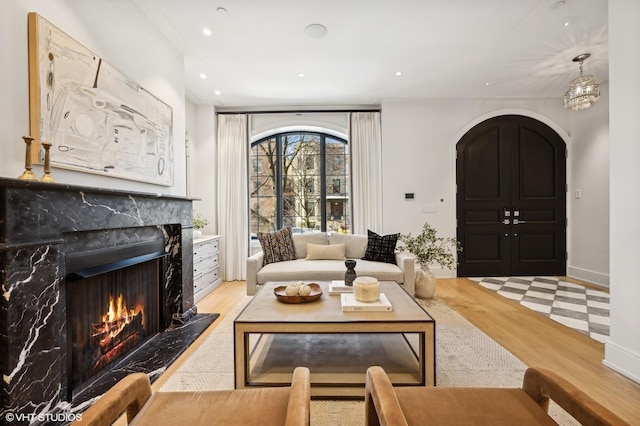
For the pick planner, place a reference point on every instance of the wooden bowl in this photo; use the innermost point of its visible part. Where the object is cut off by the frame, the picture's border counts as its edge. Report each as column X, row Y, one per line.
column 281, row 294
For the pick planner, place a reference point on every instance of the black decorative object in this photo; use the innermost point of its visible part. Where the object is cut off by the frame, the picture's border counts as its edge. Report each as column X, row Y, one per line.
column 350, row 275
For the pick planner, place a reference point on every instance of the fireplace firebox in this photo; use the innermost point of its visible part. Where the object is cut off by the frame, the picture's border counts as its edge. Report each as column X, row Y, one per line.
column 112, row 308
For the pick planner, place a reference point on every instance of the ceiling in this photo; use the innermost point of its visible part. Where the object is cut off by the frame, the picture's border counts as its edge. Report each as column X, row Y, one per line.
column 443, row 48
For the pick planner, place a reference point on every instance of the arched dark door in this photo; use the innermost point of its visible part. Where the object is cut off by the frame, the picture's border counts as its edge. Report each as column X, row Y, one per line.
column 511, row 199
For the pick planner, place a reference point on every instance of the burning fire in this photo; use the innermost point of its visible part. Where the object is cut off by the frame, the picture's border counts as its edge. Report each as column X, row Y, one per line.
column 116, row 319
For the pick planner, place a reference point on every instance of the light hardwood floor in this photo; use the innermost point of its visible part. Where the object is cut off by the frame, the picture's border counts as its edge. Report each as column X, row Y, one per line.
column 535, row 339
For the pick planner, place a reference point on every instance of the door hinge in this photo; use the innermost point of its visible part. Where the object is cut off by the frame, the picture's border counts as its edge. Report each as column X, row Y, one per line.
column 566, row 222
column 566, row 255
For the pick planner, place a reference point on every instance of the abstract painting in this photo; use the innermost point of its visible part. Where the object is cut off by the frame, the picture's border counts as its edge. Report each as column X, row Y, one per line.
column 97, row 119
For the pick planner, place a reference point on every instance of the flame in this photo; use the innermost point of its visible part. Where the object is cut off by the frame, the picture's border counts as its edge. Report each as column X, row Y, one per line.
column 116, row 318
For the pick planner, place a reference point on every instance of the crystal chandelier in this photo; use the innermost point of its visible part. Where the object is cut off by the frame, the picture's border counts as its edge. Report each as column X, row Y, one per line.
column 583, row 91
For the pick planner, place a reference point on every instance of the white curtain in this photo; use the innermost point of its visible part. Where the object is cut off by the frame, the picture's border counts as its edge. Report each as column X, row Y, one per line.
column 366, row 171
column 232, row 203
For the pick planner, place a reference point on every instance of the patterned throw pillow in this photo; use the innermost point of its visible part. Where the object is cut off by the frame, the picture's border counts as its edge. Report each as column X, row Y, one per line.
column 381, row 248
column 277, row 246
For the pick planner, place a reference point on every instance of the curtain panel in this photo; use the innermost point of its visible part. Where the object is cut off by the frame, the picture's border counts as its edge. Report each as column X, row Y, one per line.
column 365, row 143
column 233, row 209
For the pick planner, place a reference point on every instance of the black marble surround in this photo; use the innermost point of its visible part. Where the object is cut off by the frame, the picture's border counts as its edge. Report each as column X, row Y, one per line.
column 40, row 223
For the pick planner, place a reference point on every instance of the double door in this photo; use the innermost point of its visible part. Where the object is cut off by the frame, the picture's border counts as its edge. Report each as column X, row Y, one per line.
column 511, row 199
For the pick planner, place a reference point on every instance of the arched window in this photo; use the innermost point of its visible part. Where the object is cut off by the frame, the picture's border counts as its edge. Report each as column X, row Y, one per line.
column 299, row 179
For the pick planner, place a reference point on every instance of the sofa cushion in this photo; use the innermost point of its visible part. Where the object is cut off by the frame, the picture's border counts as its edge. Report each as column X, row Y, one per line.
column 326, row 270
column 300, row 242
column 356, row 245
column 381, row 248
column 324, row 252
column 277, row 246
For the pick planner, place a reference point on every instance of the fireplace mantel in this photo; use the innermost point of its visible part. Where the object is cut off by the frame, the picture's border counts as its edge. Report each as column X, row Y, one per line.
column 40, row 223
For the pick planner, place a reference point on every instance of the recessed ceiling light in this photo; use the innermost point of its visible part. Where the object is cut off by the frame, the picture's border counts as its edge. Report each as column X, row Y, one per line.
column 398, row 73
column 217, row 92
column 316, row 31
column 203, row 76
column 206, row 31
column 301, row 75
column 487, row 84
column 566, row 23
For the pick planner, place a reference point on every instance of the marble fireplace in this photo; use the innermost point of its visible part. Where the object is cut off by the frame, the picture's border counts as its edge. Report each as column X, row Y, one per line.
column 72, row 259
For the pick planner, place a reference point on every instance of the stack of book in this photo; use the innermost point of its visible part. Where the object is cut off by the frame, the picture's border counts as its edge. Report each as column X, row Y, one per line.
column 350, row 304
column 337, row 287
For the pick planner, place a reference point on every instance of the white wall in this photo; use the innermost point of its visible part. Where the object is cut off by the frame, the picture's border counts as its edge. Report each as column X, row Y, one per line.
column 204, row 159
column 418, row 155
column 622, row 351
column 119, row 33
column 588, row 173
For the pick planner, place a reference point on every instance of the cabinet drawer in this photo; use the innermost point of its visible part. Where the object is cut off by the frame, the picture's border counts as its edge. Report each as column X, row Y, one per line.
column 205, row 280
column 205, row 264
column 204, row 249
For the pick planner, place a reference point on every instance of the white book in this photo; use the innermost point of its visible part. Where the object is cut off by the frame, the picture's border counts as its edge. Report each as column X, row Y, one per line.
column 337, row 287
column 350, row 304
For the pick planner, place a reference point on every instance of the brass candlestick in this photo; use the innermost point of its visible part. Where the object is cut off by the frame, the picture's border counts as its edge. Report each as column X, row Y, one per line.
column 28, row 174
column 46, row 177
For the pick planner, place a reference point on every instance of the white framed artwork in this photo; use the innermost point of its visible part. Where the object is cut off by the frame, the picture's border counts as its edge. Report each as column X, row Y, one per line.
column 97, row 119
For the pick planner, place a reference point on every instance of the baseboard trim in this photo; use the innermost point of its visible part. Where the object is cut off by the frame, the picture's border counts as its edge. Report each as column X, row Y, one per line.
column 440, row 272
column 622, row 360
column 588, row 276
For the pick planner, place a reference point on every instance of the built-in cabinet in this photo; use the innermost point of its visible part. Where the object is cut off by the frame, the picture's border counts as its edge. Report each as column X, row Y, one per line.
column 206, row 270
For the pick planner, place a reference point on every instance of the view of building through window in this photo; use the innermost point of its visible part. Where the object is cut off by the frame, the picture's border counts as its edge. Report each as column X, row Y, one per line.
column 300, row 180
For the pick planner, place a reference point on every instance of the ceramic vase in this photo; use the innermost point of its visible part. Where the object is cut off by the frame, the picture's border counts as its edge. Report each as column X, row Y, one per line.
column 197, row 234
column 425, row 282
column 350, row 275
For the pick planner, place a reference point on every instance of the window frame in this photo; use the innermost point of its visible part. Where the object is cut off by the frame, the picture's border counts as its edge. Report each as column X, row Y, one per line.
column 323, row 166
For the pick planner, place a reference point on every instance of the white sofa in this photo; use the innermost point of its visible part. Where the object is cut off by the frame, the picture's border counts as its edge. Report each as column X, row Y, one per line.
column 302, row 269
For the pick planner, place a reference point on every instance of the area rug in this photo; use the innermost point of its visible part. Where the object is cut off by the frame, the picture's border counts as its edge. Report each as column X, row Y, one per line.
column 465, row 356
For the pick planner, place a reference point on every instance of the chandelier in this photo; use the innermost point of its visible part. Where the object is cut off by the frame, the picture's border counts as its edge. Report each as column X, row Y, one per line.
column 583, row 91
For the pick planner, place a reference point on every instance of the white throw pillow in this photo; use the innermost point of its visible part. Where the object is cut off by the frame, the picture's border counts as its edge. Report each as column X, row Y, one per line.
column 325, row 252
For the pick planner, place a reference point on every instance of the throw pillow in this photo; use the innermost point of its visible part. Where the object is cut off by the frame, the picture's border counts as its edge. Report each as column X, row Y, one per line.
column 381, row 248
column 277, row 246
column 325, row 252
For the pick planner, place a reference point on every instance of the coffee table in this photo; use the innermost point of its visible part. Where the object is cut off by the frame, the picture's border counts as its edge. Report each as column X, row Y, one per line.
column 271, row 338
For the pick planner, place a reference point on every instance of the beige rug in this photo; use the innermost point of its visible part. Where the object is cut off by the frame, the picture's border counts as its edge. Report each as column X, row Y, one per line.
column 465, row 356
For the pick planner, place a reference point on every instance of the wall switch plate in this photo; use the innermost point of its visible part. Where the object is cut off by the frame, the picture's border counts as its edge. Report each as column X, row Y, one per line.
column 578, row 194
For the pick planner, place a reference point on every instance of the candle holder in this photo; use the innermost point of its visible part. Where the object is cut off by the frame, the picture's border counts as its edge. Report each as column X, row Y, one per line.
column 28, row 174
column 46, row 177
column 350, row 274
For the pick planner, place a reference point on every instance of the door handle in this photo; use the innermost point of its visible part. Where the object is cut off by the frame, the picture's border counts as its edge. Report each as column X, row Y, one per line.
column 506, row 222
column 517, row 222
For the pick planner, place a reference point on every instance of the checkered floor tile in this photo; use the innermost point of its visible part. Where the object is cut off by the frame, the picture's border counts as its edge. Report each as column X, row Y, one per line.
column 581, row 308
